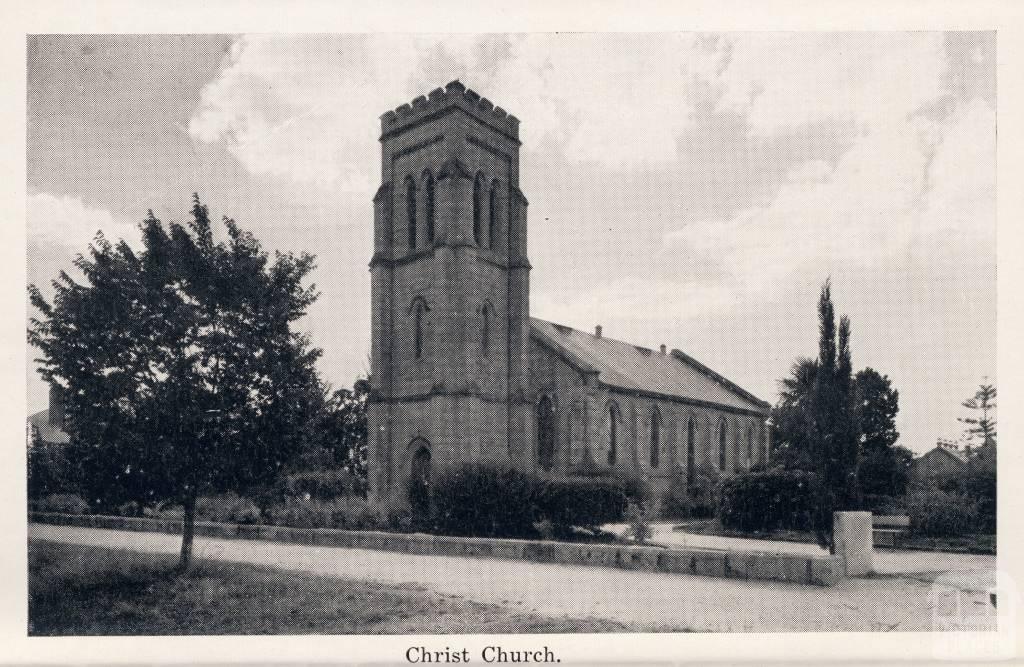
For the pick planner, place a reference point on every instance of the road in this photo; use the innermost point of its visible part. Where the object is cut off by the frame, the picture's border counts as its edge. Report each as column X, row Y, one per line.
column 649, row 599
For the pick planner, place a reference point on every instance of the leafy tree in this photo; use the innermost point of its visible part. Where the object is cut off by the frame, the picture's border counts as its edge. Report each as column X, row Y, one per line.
column 346, row 427
column 790, row 437
column 983, row 426
column 884, row 472
column 52, row 468
column 339, row 435
column 182, row 372
column 832, row 426
column 884, row 468
column 878, row 403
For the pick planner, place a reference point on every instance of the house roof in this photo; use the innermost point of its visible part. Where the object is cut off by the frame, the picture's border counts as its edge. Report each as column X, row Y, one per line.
column 48, row 432
column 633, row 368
column 959, row 457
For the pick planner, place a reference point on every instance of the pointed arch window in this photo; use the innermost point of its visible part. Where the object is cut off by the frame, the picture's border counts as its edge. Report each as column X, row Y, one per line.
column 546, row 432
column 736, row 458
column 691, row 432
column 492, row 214
column 418, row 309
column 428, row 195
column 655, row 438
column 722, row 439
column 485, row 328
column 613, row 433
column 478, row 194
column 410, row 211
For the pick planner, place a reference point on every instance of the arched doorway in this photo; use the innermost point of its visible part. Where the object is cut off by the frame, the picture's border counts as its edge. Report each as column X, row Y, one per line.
column 419, row 480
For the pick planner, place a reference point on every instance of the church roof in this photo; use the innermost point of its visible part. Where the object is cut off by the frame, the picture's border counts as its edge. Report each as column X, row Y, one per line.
column 626, row 366
column 47, row 431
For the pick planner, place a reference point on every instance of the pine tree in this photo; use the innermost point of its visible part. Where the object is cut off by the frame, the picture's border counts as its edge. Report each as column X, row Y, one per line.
column 983, row 427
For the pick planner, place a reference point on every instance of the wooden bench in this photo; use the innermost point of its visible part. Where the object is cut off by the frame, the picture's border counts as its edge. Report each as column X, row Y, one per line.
column 887, row 530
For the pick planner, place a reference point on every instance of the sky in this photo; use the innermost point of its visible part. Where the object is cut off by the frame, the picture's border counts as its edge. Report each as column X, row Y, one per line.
column 689, row 189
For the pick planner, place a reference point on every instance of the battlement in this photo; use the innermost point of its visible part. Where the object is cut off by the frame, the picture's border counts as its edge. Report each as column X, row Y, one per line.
column 453, row 95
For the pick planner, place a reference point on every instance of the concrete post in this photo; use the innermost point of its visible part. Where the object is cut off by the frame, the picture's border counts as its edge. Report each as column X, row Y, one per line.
column 851, row 532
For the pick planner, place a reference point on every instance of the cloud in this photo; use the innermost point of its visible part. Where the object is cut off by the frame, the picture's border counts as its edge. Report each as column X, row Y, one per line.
column 692, row 189
column 876, row 166
column 305, row 107
column 68, row 223
column 789, row 79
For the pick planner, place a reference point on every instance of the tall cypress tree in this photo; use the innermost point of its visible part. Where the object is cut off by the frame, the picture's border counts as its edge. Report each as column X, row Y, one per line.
column 832, row 423
column 847, row 427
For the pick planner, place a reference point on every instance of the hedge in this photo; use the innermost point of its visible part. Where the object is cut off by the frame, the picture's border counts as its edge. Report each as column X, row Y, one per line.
column 580, row 502
column 481, row 500
column 774, row 499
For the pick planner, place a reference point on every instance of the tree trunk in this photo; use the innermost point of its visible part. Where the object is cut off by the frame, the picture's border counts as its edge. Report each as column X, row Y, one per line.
column 187, row 531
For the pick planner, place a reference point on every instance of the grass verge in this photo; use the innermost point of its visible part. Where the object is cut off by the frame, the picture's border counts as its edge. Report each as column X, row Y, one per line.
column 81, row 590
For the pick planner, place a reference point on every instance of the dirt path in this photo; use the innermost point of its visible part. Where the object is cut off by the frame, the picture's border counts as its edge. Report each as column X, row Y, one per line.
column 698, row 603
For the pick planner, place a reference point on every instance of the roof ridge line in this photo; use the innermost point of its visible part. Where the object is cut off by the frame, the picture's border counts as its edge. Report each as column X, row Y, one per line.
column 587, row 333
column 729, row 384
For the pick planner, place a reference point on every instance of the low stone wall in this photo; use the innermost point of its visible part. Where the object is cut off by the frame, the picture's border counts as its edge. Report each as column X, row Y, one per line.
column 820, row 571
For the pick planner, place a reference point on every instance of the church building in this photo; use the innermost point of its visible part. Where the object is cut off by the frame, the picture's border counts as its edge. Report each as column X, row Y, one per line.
column 461, row 372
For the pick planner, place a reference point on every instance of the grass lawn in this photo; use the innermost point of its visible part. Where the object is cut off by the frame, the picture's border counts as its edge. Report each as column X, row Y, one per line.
column 79, row 590
column 974, row 544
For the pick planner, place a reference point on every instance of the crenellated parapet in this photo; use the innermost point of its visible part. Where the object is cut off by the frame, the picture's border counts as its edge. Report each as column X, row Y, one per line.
column 453, row 95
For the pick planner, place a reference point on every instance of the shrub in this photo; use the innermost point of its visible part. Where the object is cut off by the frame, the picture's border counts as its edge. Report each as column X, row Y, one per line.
column 399, row 521
column 323, row 484
column 130, row 508
column 54, row 469
column 937, row 513
column 547, row 530
column 697, row 501
column 300, row 513
column 227, row 508
column 345, row 513
column 62, row 503
column 977, row 481
column 884, row 504
column 677, row 502
column 484, row 501
column 580, row 502
column 165, row 510
column 703, row 495
column 637, row 489
column 639, row 529
column 775, row 499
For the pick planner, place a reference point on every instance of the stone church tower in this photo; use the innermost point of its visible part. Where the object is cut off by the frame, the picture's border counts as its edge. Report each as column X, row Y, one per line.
column 450, row 336
column 461, row 373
